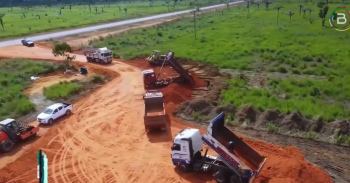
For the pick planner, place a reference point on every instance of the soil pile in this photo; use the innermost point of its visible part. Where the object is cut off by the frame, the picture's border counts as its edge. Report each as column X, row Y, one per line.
column 286, row 165
column 202, row 110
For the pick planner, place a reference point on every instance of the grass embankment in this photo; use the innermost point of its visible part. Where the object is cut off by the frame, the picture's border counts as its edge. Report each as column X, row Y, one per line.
column 302, row 51
column 14, row 78
column 65, row 89
column 20, row 21
column 62, row 90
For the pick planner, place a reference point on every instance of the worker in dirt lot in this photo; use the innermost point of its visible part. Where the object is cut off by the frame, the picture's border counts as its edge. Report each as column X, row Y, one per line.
column 208, row 85
column 231, row 146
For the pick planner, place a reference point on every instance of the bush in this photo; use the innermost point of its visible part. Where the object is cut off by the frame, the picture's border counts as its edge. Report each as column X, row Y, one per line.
column 272, row 128
column 97, row 79
column 311, row 135
column 62, row 90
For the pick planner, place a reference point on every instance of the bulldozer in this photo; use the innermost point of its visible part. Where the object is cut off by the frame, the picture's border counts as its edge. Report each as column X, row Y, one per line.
column 157, row 58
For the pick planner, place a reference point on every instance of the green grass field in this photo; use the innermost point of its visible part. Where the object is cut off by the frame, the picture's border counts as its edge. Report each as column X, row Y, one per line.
column 19, row 21
column 306, row 64
column 62, row 90
column 14, row 78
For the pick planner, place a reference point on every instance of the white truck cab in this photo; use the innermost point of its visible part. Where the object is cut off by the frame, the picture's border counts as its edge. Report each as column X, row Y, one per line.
column 186, row 144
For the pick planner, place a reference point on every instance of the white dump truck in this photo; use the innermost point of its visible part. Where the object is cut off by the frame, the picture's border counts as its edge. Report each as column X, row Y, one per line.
column 98, row 55
column 236, row 161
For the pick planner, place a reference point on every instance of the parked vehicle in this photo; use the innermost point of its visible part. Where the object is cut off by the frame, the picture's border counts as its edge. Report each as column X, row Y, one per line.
column 99, row 55
column 236, row 162
column 12, row 131
column 53, row 112
column 27, row 42
column 155, row 116
column 151, row 81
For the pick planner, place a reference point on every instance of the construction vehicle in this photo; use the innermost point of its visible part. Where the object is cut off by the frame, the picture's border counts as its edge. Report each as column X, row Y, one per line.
column 12, row 131
column 151, row 81
column 241, row 164
column 98, row 55
column 155, row 116
column 157, row 58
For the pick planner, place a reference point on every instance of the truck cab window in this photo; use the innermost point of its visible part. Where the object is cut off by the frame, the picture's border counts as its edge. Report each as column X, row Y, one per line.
column 55, row 111
column 176, row 147
column 60, row 108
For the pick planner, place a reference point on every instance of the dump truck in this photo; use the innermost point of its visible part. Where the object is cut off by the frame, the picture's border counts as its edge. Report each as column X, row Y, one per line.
column 12, row 131
column 155, row 116
column 232, row 164
column 152, row 81
column 98, row 55
column 157, row 58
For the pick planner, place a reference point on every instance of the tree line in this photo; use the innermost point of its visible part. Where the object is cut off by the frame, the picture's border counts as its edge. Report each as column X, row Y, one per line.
column 13, row 3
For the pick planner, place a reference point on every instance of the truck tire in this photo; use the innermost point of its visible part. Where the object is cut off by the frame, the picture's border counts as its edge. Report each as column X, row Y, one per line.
column 68, row 112
column 50, row 121
column 183, row 167
column 221, row 177
column 6, row 145
column 235, row 179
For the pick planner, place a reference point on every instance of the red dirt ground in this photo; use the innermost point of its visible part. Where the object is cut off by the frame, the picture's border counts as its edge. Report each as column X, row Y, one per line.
column 104, row 139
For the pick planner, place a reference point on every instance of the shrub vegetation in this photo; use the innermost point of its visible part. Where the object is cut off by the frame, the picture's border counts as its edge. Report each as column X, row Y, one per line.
column 62, row 90
column 14, row 78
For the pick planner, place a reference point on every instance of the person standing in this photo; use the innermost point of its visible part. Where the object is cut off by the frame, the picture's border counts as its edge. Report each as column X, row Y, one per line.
column 208, row 85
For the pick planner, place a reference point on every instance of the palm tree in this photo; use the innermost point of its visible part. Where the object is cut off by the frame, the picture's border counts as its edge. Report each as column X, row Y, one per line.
column 2, row 21
column 126, row 11
column 279, row 7
column 267, row 4
column 290, row 14
column 300, row 8
column 175, row 1
column 194, row 12
column 310, row 10
column 304, row 11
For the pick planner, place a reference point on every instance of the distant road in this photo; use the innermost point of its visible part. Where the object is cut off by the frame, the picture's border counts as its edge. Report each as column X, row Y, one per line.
column 109, row 25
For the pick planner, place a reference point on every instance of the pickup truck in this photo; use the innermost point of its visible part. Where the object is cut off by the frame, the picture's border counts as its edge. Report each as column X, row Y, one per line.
column 53, row 112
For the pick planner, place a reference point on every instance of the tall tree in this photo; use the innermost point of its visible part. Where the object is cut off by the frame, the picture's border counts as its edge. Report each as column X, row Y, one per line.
column 279, row 7
column 290, row 14
column 323, row 11
column 63, row 50
column 2, row 20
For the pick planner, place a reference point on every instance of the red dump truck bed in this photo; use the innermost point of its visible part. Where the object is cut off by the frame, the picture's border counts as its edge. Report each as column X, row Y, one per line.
column 218, row 137
column 155, row 116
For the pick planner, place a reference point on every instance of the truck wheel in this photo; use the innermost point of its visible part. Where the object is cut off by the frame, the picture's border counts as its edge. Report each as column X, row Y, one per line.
column 235, row 179
column 68, row 112
column 6, row 145
column 50, row 121
column 183, row 167
column 221, row 177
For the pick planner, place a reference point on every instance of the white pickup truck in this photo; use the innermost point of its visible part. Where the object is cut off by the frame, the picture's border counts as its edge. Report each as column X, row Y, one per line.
column 53, row 112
